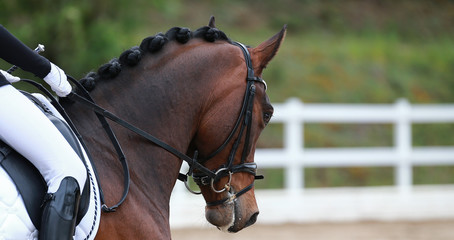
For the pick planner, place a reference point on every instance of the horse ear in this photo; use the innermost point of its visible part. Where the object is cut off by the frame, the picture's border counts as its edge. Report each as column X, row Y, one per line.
column 262, row 54
column 212, row 23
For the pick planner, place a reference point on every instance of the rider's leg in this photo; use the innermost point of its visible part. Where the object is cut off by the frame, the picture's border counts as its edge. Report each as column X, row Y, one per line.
column 25, row 128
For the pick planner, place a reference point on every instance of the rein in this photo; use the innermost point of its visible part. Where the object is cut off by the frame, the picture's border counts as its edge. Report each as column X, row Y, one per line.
column 200, row 174
column 102, row 114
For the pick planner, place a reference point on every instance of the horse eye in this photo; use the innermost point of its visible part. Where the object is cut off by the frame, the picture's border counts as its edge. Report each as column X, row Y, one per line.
column 267, row 117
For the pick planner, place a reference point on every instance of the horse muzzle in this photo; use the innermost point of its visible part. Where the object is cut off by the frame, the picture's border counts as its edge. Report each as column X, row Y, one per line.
column 235, row 215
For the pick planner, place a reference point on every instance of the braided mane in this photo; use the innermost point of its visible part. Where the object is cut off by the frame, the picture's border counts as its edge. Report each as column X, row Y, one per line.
column 150, row 45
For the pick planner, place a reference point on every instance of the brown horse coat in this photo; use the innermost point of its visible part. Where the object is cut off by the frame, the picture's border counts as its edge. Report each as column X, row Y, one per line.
column 188, row 95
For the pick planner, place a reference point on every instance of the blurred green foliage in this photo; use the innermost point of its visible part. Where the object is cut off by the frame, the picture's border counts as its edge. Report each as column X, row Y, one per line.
column 348, row 51
column 335, row 51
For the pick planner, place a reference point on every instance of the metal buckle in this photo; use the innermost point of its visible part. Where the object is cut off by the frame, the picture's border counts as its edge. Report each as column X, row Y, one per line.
column 201, row 180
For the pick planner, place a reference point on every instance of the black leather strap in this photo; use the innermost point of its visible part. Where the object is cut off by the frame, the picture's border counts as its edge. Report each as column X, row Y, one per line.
column 151, row 138
column 232, row 197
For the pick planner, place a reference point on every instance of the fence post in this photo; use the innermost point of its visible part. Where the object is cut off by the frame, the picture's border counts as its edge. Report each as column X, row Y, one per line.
column 403, row 145
column 293, row 143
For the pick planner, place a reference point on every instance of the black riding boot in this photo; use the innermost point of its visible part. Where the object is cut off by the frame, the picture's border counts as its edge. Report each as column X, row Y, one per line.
column 60, row 210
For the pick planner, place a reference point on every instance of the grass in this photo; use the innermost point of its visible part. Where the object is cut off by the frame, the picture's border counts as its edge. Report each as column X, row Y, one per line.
column 352, row 68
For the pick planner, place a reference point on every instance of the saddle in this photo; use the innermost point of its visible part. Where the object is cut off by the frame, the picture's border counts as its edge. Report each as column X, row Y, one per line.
column 28, row 180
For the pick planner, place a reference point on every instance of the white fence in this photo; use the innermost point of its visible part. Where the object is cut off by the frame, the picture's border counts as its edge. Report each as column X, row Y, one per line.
column 294, row 157
column 294, row 203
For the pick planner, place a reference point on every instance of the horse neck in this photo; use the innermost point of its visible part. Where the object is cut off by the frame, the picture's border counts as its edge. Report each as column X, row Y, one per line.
column 165, row 101
column 166, row 95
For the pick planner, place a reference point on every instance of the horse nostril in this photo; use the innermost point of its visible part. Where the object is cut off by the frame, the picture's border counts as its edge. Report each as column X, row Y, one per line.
column 252, row 220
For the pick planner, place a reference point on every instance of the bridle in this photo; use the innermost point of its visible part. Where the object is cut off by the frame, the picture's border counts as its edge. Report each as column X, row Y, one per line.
column 201, row 175
column 228, row 169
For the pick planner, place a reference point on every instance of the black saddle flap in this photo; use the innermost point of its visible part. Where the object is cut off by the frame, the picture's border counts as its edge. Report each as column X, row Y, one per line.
column 22, row 172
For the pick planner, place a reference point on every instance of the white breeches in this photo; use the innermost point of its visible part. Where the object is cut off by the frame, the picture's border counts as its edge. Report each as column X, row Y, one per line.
column 26, row 129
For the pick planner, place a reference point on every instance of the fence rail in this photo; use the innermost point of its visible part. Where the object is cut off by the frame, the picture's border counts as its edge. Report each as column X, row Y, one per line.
column 293, row 157
column 296, row 203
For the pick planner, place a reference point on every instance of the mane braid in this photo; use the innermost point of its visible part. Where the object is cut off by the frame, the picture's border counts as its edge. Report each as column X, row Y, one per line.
column 152, row 44
column 210, row 34
column 131, row 57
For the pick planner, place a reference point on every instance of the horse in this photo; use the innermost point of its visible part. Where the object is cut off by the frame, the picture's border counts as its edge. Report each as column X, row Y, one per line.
column 186, row 88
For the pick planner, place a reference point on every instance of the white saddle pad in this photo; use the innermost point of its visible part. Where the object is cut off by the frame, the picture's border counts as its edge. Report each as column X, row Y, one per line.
column 14, row 220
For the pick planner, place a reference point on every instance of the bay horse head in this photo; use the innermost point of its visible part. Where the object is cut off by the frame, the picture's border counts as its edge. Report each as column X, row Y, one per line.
column 228, row 132
column 199, row 92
